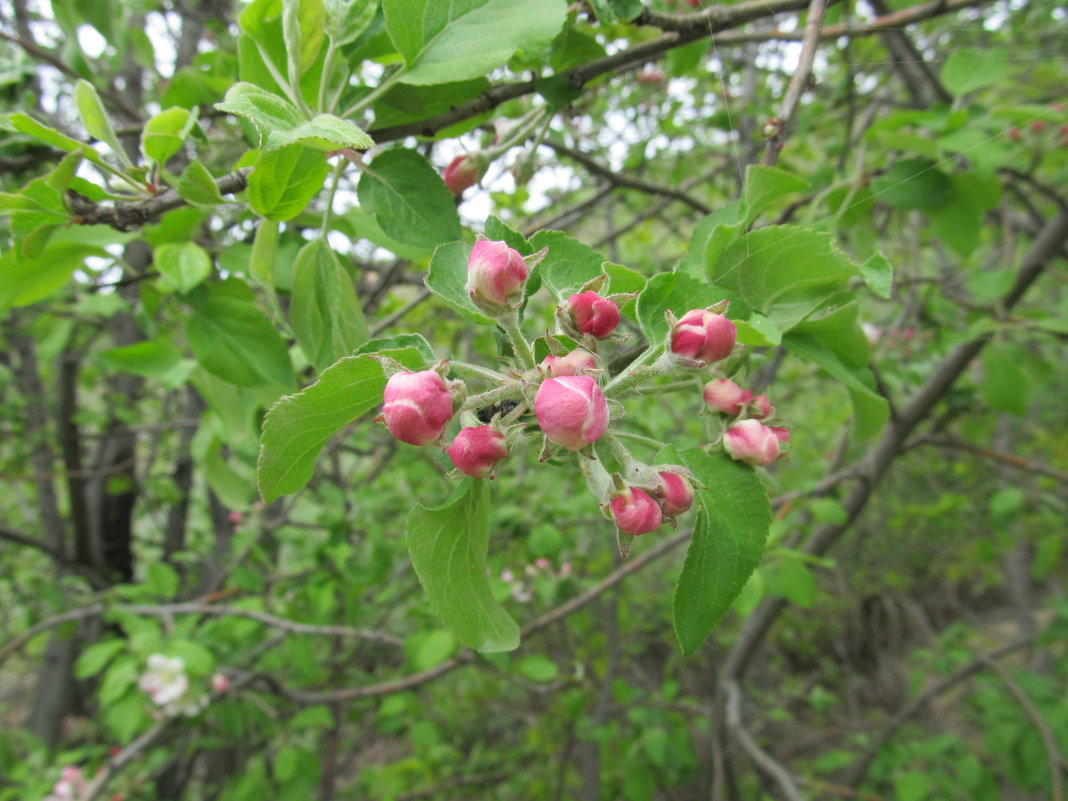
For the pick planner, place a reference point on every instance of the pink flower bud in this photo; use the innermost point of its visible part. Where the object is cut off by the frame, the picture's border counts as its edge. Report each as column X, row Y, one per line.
column 220, row 683
column 571, row 410
column 703, row 336
column 576, row 362
column 760, row 407
column 476, row 450
column 635, row 512
column 495, row 275
column 675, row 493
column 753, row 442
column 723, row 395
column 462, row 173
column 418, row 407
column 543, row 564
column 593, row 314
column 650, row 76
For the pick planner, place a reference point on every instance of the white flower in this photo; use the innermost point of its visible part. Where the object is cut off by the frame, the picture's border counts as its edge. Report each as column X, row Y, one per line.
column 165, row 680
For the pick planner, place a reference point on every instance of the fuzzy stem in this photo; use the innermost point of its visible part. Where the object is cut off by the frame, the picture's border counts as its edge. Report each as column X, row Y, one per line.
column 492, row 396
column 624, row 379
column 477, row 370
column 509, row 323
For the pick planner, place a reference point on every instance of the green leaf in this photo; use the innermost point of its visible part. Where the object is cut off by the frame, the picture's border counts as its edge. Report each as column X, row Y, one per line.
column 164, row 134
column 26, row 281
column 870, row 410
column 447, row 278
column 197, row 186
column 284, row 181
column 1004, row 383
column 675, row 291
column 764, row 185
column 791, row 579
column 198, row 659
column 711, row 237
column 50, row 136
column 297, row 426
column 149, row 358
column 183, row 265
column 96, row 657
column 727, row 544
column 537, row 668
column 325, row 313
column 399, row 342
column 969, row 68
column 447, row 545
column 444, row 42
column 409, row 199
column 232, row 338
column 280, row 123
column 568, row 265
column 303, row 24
column 783, row 271
column 878, row 274
column 913, row 184
column 162, row 580
column 611, row 11
column 347, row 19
column 96, row 119
column 264, row 251
column 758, row 331
column 406, row 103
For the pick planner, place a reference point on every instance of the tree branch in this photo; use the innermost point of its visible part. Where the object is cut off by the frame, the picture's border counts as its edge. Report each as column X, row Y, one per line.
column 625, row 181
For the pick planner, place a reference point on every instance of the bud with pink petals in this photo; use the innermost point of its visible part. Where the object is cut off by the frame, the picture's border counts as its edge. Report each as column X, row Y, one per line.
column 220, row 683
column 417, row 407
column 477, row 449
column 760, row 407
column 753, row 442
column 571, row 411
column 724, row 396
column 496, row 275
column 593, row 314
column 576, row 362
column 635, row 512
column 462, row 173
column 702, row 336
column 675, row 493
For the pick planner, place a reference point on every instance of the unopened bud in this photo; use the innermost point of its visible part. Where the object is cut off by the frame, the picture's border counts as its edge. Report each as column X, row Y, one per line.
column 593, row 314
column 753, row 442
column 220, row 683
column 675, row 493
column 703, row 337
column 462, row 173
column 724, row 396
column 476, row 450
column 495, row 276
column 417, row 407
column 635, row 512
column 571, row 411
column 760, row 407
column 576, row 362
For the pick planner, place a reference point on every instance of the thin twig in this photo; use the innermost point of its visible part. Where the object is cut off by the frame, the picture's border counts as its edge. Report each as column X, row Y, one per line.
column 798, row 82
column 761, row 758
column 1049, row 741
column 860, row 769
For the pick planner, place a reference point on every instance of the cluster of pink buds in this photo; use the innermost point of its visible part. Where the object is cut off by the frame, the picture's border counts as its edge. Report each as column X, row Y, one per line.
column 747, row 440
column 72, row 785
column 570, row 397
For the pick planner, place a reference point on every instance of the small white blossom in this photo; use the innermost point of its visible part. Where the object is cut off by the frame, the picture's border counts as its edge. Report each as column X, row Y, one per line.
column 165, row 680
